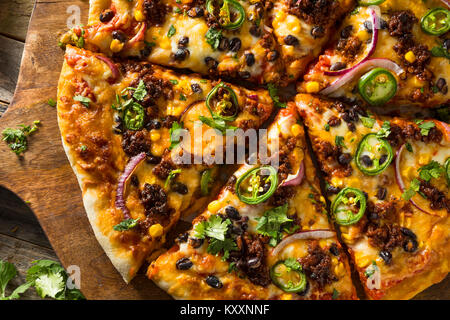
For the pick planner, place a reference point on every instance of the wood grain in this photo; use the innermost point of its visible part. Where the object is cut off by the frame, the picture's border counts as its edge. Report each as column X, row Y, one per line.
column 43, row 176
column 14, row 18
column 10, row 56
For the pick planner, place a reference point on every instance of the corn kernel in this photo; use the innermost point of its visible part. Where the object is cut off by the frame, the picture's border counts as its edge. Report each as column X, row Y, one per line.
column 424, row 159
column 339, row 270
column 286, row 296
column 363, row 35
column 334, row 261
column 312, row 87
column 296, row 129
column 116, row 45
column 214, row 206
column 156, row 230
column 155, row 135
column 362, row 261
column 410, row 56
column 138, row 15
column 157, row 150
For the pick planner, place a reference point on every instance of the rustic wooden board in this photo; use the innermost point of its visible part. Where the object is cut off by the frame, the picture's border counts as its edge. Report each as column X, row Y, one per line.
column 44, row 178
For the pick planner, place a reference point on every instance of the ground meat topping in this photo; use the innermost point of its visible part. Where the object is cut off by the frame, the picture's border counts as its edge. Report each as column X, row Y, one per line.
column 317, row 12
column 135, row 142
column 155, row 12
column 399, row 134
column 154, row 200
column 163, row 169
column 317, row 265
column 437, row 198
column 401, row 23
column 385, row 237
column 349, row 47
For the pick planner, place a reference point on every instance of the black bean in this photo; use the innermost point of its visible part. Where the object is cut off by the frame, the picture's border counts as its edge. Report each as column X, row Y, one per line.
column 224, row 44
column 244, row 74
column 334, row 250
column 211, row 63
column 235, row 44
column 182, row 238
column 383, row 159
column 273, row 55
column 346, row 32
column 195, row 242
column 365, row 159
column 154, row 124
column 214, row 282
column 181, row 54
column 146, row 51
column 332, row 189
column 119, row 35
column 408, row 232
column 183, row 42
column 152, row 159
column 184, row 264
column 317, row 32
column 446, row 44
column 441, row 83
column 344, row 158
column 134, row 180
column 196, row 88
column 290, row 40
column 106, row 15
column 368, row 26
column 250, row 59
column 232, row 213
column 383, row 24
column 373, row 216
column 337, row 66
column 386, row 256
column 351, row 126
column 195, row 12
column 255, row 30
column 410, row 245
column 381, row 193
column 179, row 187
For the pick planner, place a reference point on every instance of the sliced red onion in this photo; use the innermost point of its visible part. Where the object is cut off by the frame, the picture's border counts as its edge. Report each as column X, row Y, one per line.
column 377, row 62
column 373, row 45
column 129, row 169
column 112, row 66
column 399, row 179
column 446, row 2
column 303, row 235
column 139, row 35
column 253, row 97
column 295, row 179
column 446, row 129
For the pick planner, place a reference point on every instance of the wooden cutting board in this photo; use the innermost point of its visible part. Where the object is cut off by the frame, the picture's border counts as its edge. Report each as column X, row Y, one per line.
column 43, row 177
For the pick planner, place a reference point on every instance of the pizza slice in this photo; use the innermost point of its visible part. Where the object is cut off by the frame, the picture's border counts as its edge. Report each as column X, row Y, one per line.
column 394, row 53
column 121, row 125
column 388, row 184
column 267, row 236
column 227, row 38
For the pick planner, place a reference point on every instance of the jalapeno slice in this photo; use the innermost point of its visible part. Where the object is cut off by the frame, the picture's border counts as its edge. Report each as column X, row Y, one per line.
column 287, row 278
column 349, row 206
column 436, row 22
column 366, row 155
column 204, row 182
column 230, row 13
column 377, row 86
column 134, row 116
column 257, row 184
column 226, row 108
column 447, row 170
column 367, row 3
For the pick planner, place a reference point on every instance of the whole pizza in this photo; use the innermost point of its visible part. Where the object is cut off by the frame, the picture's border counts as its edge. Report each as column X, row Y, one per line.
column 303, row 140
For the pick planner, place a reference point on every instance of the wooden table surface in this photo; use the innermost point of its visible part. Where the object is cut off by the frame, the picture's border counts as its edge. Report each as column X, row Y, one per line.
column 22, row 239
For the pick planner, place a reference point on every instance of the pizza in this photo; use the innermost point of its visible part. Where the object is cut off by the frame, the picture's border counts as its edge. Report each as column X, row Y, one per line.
column 403, row 60
column 388, row 184
column 117, row 122
column 267, row 235
column 258, row 41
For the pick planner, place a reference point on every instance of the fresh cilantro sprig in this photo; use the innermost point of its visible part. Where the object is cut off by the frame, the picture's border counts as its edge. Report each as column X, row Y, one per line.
column 273, row 223
column 385, row 130
column 213, row 37
column 431, row 170
column 425, row 127
column 339, row 140
column 17, row 139
column 273, row 92
column 126, row 224
column 411, row 191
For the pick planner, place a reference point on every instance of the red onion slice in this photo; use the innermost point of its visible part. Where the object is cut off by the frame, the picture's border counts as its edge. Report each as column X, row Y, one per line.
column 446, row 2
column 373, row 45
column 401, row 183
column 377, row 62
column 129, row 169
column 295, row 179
column 139, row 35
column 112, row 66
column 303, row 235
column 446, row 128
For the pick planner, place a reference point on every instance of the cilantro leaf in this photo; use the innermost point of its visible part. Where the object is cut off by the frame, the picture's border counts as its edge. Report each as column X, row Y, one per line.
column 335, row 294
column 140, row 92
column 17, row 139
column 273, row 92
column 411, row 191
column 367, row 122
column 409, row 147
column 339, row 140
column 171, row 31
column 426, row 127
column 213, row 37
column 273, row 223
column 385, row 130
column 227, row 245
column 216, row 123
column 83, row 100
column 175, row 134
column 51, row 102
column 431, row 170
column 126, row 224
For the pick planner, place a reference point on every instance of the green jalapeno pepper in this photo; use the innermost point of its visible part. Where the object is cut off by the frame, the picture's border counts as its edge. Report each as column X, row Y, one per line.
column 346, row 200
column 227, row 103
column 134, row 116
column 287, row 278
column 436, row 22
column 231, row 13
column 367, row 3
column 377, row 86
column 204, row 183
column 368, row 147
column 252, row 182
column 447, row 170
